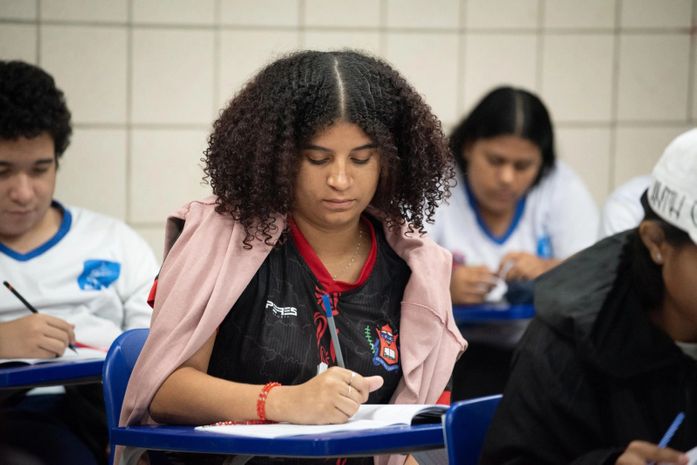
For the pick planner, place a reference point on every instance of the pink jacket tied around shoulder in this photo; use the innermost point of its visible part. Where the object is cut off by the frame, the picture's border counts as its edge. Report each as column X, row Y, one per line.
column 206, row 270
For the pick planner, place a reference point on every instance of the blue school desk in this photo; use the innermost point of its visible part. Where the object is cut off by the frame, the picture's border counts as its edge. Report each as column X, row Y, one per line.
column 491, row 312
column 50, row 374
column 394, row 439
column 119, row 364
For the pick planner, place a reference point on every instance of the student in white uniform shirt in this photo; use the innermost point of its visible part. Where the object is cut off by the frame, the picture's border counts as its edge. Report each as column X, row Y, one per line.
column 88, row 275
column 622, row 209
column 515, row 213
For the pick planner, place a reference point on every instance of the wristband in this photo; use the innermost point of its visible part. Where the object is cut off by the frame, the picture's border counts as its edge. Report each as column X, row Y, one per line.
column 261, row 400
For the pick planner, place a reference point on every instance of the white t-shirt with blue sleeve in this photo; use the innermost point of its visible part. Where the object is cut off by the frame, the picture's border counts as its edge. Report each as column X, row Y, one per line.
column 95, row 272
column 556, row 219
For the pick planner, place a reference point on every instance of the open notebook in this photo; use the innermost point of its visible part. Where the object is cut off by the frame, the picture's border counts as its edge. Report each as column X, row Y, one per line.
column 369, row 416
column 83, row 353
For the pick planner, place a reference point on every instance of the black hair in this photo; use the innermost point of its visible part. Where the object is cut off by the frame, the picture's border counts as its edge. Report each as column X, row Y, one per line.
column 506, row 111
column 647, row 275
column 31, row 104
column 252, row 159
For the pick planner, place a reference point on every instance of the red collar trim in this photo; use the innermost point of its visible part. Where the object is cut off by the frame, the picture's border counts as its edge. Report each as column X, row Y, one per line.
column 317, row 267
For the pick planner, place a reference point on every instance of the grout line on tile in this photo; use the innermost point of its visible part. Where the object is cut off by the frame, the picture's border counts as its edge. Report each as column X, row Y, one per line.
column 37, row 23
column 614, row 104
column 19, row 21
column 382, row 28
column 156, row 126
column 129, row 107
column 637, row 124
column 357, row 29
column 217, row 58
column 301, row 24
column 691, row 86
column 460, row 70
column 107, row 24
column 539, row 66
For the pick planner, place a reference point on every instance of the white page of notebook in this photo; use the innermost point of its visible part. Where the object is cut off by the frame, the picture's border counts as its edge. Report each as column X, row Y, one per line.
column 83, row 353
column 369, row 416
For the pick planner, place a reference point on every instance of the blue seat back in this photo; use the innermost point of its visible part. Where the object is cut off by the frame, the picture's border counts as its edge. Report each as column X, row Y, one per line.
column 466, row 425
column 118, row 365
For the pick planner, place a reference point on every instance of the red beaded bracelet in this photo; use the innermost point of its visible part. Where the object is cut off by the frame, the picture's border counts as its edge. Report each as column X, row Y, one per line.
column 261, row 401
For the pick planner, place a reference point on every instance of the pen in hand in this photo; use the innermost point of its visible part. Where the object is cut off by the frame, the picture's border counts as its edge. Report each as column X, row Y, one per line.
column 671, row 430
column 332, row 330
column 668, row 435
column 29, row 306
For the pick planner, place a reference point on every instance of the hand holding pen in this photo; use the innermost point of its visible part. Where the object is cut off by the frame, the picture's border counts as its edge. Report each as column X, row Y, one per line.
column 332, row 396
column 642, row 452
column 35, row 336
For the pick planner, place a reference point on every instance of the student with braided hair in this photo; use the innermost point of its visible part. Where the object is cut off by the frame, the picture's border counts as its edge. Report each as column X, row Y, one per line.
column 324, row 168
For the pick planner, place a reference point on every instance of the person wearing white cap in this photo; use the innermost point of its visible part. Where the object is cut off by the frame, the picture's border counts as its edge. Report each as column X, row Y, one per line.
column 611, row 358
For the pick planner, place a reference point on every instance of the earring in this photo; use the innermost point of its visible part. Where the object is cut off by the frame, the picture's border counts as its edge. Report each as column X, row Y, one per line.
column 658, row 258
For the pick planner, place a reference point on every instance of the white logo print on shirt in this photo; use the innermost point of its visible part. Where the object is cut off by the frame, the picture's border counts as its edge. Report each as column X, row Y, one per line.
column 281, row 311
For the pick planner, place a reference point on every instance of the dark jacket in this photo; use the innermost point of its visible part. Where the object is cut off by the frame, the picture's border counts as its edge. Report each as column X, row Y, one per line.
column 592, row 373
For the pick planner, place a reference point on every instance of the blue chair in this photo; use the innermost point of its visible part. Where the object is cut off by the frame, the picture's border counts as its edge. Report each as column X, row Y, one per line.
column 118, row 366
column 119, row 363
column 466, row 424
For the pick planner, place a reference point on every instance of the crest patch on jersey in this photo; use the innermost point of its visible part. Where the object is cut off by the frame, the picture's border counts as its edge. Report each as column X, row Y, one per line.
column 384, row 346
column 98, row 274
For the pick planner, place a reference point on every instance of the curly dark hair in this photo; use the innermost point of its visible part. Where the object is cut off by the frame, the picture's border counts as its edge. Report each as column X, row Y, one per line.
column 252, row 158
column 31, row 104
column 507, row 111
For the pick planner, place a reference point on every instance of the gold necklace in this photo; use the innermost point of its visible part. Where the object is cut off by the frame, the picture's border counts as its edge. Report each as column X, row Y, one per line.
column 354, row 255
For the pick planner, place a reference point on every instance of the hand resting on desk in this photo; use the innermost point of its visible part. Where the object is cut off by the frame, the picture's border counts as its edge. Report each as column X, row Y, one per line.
column 35, row 336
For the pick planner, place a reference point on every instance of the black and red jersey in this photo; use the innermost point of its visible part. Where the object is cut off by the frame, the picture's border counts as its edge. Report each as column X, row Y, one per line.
column 277, row 330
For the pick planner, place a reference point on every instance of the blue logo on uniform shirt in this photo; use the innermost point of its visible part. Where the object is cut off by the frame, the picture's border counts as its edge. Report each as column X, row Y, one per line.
column 98, row 274
column 544, row 247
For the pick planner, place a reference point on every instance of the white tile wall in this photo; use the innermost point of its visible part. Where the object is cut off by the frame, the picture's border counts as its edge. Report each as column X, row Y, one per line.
column 85, row 10
column 418, row 57
column 155, row 237
column 92, row 172
column 588, row 14
column 243, row 53
column 172, row 76
column 502, row 14
column 200, row 12
column 330, row 13
column 653, row 77
column 18, row 42
column 619, row 76
column 165, row 172
column 587, row 151
column 577, row 76
column 656, row 14
column 638, row 149
column 336, row 40
column 89, row 63
column 491, row 60
column 18, row 9
column 260, row 12
column 440, row 14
